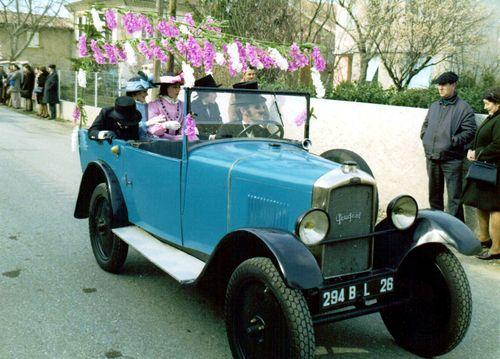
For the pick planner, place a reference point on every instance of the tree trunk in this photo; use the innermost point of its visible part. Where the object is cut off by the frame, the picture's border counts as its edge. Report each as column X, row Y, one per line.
column 172, row 11
column 363, row 67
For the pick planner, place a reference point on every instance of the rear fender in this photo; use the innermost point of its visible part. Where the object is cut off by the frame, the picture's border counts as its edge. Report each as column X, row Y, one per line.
column 294, row 261
column 99, row 172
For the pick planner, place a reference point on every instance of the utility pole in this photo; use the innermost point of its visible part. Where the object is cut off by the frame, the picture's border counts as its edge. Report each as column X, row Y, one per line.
column 172, row 11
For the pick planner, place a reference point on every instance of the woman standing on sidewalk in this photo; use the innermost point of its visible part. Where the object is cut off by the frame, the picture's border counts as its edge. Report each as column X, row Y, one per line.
column 51, row 91
column 27, row 86
column 484, row 196
column 40, row 86
column 14, row 89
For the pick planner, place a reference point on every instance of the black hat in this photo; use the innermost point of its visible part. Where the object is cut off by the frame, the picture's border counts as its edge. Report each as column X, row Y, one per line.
column 125, row 111
column 248, row 99
column 250, row 85
column 446, row 78
column 207, row 81
column 492, row 95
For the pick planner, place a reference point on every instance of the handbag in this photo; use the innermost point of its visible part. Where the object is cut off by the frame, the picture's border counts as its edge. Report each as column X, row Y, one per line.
column 482, row 172
column 38, row 89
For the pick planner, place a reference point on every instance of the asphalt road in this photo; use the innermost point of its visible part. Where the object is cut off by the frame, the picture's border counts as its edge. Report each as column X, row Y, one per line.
column 55, row 302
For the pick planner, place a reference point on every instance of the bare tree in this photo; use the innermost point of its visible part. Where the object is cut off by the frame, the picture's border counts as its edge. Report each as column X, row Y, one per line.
column 22, row 19
column 425, row 33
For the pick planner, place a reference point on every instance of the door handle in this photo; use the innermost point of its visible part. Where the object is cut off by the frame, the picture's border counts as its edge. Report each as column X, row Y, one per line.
column 128, row 182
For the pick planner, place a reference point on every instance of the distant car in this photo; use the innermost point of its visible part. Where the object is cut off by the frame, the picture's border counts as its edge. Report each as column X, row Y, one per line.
column 291, row 237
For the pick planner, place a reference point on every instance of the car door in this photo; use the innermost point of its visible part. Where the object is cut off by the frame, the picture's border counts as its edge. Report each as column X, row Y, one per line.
column 152, row 192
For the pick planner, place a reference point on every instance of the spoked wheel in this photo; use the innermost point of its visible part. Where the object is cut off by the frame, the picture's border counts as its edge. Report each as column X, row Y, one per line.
column 264, row 318
column 438, row 313
column 110, row 252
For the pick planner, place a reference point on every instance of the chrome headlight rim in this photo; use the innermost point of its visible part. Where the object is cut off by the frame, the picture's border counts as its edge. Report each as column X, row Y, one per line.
column 402, row 221
column 304, row 216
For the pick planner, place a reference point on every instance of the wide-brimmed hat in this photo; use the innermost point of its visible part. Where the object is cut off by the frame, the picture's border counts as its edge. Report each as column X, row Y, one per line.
column 206, row 81
column 171, row 79
column 249, row 85
column 446, row 78
column 125, row 111
column 492, row 95
column 142, row 82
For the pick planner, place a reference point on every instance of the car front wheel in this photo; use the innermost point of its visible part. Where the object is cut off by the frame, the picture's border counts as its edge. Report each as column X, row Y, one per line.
column 438, row 312
column 265, row 318
column 110, row 251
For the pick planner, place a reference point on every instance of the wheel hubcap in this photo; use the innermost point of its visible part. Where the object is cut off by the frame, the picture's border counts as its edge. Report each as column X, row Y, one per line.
column 103, row 233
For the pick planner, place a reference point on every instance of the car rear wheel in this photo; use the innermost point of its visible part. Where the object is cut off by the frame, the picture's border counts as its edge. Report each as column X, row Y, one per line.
column 437, row 315
column 265, row 318
column 110, row 252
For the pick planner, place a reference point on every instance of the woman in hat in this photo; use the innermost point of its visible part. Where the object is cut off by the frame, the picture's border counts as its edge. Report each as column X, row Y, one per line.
column 165, row 114
column 137, row 88
column 483, row 196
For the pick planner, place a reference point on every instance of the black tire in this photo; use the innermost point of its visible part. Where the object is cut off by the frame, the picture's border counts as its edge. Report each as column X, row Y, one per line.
column 110, row 251
column 438, row 313
column 265, row 318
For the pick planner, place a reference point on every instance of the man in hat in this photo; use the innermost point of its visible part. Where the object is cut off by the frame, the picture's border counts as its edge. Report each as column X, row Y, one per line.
column 446, row 134
column 204, row 107
column 137, row 88
column 119, row 121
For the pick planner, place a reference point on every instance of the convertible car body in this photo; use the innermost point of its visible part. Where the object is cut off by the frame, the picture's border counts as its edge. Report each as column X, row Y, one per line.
column 291, row 237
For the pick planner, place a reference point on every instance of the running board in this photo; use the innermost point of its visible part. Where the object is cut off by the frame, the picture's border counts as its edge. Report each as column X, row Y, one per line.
column 178, row 264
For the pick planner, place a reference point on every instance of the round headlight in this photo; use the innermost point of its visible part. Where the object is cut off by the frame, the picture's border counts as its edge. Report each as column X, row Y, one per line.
column 403, row 211
column 313, row 226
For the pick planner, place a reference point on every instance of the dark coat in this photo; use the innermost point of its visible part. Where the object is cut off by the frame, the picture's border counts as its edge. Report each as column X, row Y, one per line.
column 51, row 90
column 487, row 147
column 105, row 122
column 40, row 82
column 28, row 85
column 448, row 130
column 234, row 129
column 206, row 113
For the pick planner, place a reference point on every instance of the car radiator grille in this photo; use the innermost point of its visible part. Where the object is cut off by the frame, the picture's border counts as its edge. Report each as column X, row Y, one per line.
column 351, row 214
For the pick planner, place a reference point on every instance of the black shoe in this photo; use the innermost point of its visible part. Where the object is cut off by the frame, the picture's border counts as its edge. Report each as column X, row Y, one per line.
column 487, row 256
column 487, row 243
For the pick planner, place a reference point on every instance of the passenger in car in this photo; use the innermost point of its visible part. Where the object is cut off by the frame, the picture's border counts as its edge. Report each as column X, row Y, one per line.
column 118, row 121
column 204, row 108
column 137, row 88
column 166, row 113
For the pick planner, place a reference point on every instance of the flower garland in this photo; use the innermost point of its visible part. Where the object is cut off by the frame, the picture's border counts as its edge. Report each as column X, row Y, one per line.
column 199, row 46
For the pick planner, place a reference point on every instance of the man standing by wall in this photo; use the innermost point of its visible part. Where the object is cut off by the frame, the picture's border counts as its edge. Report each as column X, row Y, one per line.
column 448, row 129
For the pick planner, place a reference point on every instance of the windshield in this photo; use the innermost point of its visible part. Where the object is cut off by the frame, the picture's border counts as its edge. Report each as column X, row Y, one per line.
column 225, row 113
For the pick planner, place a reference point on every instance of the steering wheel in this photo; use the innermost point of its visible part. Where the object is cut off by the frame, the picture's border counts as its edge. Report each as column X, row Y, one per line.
column 278, row 133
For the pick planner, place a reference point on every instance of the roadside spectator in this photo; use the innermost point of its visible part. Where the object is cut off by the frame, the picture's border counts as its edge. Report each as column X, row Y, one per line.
column 137, row 88
column 446, row 133
column 483, row 196
column 40, row 85
column 119, row 121
column 166, row 113
column 27, row 86
column 51, row 91
column 14, row 89
column 3, row 82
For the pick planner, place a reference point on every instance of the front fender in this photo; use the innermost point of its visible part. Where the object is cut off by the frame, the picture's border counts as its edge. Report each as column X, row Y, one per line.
column 295, row 262
column 393, row 245
column 95, row 173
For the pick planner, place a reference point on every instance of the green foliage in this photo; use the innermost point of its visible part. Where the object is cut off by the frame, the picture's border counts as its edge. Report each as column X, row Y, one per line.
column 413, row 97
column 360, row 92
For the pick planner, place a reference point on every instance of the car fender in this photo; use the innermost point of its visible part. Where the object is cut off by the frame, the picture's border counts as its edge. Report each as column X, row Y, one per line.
column 293, row 259
column 430, row 227
column 95, row 173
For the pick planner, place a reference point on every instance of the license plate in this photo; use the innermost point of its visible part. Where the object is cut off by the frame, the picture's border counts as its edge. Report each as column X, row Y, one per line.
column 347, row 294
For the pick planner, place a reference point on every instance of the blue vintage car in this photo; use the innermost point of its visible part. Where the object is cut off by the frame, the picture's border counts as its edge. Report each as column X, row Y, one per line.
column 291, row 237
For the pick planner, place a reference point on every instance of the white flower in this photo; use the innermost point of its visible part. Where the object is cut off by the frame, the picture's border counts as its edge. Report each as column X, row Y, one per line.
column 234, row 57
column 82, row 78
column 219, row 59
column 184, row 30
column 281, row 62
column 131, row 58
column 188, row 74
column 98, row 23
column 74, row 139
column 318, row 85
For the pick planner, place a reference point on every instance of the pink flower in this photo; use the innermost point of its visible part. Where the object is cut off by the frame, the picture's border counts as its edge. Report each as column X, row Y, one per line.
column 298, row 60
column 146, row 25
column 159, row 54
column 181, row 47
column 110, row 19
column 188, row 18
column 131, row 23
column 121, row 53
column 144, row 50
column 98, row 55
column 77, row 113
column 168, row 29
column 252, row 56
column 319, row 61
column 209, row 27
column 111, row 53
column 300, row 119
column 190, row 130
column 194, row 52
column 208, row 55
column 82, row 46
column 266, row 59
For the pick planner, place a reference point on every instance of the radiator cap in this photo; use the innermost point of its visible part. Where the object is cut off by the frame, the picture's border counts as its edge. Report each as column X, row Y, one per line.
column 349, row 166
